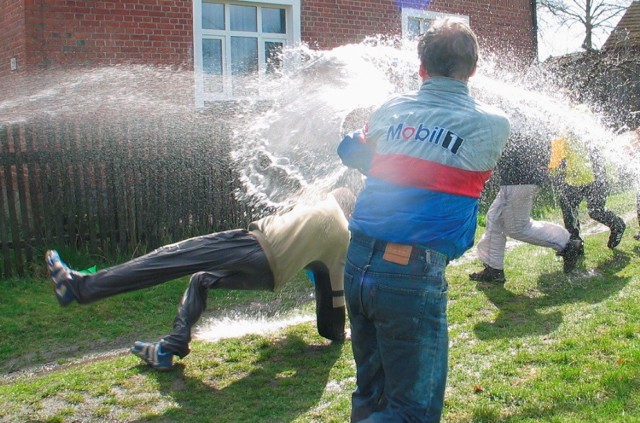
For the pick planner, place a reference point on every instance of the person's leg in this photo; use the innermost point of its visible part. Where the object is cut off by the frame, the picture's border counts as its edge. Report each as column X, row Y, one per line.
column 368, row 396
column 203, row 253
column 408, row 306
column 253, row 274
column 491, row 246
column 520, row 226
column 191, row 307
column 570, row 198
column 248, row 270
column 330, row 320
column 596, row 196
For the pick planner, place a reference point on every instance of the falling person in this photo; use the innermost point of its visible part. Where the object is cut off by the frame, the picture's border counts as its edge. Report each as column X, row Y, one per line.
column 263, row 258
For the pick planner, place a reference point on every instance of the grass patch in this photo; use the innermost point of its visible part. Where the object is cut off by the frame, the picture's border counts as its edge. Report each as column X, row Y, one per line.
column 545, row 347
column 47, row 332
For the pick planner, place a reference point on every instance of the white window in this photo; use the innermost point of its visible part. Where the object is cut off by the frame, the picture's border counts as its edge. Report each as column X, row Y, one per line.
column 238, row 42
column 416, row 21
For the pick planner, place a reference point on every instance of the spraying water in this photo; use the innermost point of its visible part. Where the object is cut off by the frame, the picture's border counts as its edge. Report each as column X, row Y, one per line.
column 214, row 329
column 290, row 148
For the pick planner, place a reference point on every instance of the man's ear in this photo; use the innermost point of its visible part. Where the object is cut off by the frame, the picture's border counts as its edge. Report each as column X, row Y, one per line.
column 423, row 73
column 473, row 72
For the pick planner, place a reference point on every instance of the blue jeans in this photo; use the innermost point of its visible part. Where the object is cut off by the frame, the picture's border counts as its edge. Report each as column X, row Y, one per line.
column 399, row 333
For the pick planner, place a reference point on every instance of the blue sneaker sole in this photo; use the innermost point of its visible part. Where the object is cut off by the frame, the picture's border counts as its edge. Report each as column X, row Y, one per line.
column 157, row 366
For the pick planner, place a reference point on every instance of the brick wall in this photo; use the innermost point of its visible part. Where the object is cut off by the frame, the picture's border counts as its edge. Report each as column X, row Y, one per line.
column 12, row 45
column 502, row 25
column 328, row 24
column 67, row 33
column 88, row 32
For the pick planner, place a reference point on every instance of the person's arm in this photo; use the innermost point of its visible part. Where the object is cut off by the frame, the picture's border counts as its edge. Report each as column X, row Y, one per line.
column 330, row 307
column 355, row 152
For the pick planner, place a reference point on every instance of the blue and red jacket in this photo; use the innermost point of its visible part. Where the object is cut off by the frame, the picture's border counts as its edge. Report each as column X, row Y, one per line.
column 427, row 156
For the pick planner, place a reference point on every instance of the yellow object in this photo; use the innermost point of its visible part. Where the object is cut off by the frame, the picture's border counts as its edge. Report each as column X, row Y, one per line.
column 558, row 152
column 578, row 169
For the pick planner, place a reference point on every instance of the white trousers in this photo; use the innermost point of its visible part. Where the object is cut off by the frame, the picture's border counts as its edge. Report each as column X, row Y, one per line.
column 510, row 216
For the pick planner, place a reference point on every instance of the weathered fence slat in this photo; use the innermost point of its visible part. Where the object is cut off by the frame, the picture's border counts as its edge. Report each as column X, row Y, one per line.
column 89, row 187
column 22, row 175
column 4, row 205
column 55, row 183
column 34, row 185
column 14, row 204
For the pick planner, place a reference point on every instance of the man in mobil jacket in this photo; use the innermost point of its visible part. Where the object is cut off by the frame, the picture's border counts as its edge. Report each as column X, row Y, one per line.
column 427, row 156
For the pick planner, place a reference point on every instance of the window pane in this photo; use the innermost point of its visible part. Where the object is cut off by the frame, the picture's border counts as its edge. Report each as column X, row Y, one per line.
column 212, row 65
column 244, row 18
column 425, row 24
column 212, row 16
column 212, row 56
column 274, row 21
column 244, row 55
column 413, row 27
column 272, row 55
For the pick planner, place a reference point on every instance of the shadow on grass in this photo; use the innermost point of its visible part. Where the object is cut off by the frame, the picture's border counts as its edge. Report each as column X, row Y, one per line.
column 289, row 379
column 520, row 315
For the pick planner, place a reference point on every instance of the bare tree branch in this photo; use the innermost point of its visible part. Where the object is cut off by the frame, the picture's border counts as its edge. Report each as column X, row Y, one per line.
column 590, row 14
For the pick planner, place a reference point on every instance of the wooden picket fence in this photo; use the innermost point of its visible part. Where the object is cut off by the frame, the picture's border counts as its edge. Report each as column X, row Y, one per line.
column 111, row 188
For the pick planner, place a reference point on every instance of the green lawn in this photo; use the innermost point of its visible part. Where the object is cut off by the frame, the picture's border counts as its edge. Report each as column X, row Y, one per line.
column 545, row 347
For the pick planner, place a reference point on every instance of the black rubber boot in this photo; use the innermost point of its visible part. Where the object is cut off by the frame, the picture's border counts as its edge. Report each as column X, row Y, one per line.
column 488, row 274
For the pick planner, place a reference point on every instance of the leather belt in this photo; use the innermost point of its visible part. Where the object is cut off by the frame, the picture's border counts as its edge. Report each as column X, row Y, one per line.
column 412, row 251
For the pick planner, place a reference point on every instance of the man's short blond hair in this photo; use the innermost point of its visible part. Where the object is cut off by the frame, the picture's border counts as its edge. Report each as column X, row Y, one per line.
column 449, row 48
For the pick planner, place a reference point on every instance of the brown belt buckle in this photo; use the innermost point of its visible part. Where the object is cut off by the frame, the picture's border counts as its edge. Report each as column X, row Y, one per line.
column 397, row 253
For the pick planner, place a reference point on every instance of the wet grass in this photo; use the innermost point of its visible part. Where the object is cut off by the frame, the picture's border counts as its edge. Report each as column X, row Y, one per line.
column 544, row 347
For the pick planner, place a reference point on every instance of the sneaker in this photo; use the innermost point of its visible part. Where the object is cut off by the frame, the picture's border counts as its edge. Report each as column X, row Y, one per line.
column 616, row 235
column 637, row 236
column 488, row 274
column 579, row 251
column 571, row 253
column 154, row 356
column 59, row 273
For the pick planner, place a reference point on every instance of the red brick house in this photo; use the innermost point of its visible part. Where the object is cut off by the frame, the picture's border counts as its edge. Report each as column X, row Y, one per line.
column 224, row 38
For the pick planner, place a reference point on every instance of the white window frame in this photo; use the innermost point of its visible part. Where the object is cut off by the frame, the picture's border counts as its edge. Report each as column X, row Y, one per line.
column 425, row 15
column 291, row 38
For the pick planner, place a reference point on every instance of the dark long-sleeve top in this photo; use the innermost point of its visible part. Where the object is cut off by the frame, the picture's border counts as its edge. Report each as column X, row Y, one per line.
column 524, row 161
